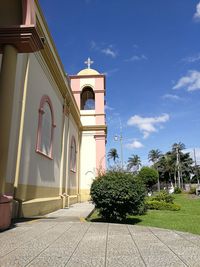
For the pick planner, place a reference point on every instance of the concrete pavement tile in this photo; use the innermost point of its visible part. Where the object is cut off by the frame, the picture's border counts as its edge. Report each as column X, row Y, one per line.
column 122, row 261
column 56, row 242
column 121, row 246
column 14, row 243
column 184, row 249
column 15, row 261
column 86, row 262
column 12, row 233
column 190, row 237
column 31, row 249
column 92, row 249
column 138, row 228
column 98, row 228
column 159, row 256
column 53, row 261
column 118, row 229
column 67, row 243
column 189, row 254
column 153, row 251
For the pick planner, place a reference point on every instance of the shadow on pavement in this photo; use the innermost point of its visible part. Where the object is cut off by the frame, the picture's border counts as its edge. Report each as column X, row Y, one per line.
column 127, row 221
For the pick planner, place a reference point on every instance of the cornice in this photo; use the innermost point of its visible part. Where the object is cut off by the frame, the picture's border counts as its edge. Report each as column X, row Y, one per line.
column 25, row 39
column 24, row 34
column 93, row 115
column 94, row 128
column 86, row 76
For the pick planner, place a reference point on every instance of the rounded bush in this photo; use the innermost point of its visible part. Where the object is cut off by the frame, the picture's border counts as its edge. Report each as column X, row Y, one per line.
column 161, row 205
column 177, row 190
column 164, row 196
column 117, row 194
column 192, row 190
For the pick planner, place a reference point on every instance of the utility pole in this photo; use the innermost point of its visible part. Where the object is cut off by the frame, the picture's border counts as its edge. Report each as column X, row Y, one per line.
column 120, row 138
column 178, row 166
column 121, row 144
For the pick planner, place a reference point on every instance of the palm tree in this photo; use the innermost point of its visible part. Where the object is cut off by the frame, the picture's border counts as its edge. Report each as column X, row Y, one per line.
column 173, row 163
column 166, row 166
column 154, row 156
column 186, row 166
column 177, row 149
column 134, row 162
column 178, row 146
column 112, row 154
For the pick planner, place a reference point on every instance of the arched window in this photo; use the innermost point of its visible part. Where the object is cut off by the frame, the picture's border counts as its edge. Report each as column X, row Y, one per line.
column 87, row 99
column 73, row 155
column 46, row 127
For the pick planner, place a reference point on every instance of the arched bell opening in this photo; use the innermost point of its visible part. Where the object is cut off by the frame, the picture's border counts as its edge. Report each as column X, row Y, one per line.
column 87, row 99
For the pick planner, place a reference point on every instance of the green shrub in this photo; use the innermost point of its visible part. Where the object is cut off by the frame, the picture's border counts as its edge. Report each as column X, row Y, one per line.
column 192, row 190
column 149, row 176
column 161, row 205
column 177, row 190
column 117, row 194
column 164, row 197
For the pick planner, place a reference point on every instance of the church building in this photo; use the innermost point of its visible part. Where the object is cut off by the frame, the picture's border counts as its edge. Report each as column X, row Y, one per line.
column 52, row 126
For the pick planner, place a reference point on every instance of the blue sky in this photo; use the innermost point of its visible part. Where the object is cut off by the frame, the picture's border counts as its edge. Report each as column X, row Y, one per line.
column 150, row 51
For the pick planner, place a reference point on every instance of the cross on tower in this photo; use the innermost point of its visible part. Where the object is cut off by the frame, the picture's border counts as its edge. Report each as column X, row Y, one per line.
column 89, row 62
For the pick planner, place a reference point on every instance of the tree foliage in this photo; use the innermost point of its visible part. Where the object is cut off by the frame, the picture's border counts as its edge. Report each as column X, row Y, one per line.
column 134, row 162
column 174, row 167
column 167, row 164
column 154, row 155
column 149, row 176
column 112, row 154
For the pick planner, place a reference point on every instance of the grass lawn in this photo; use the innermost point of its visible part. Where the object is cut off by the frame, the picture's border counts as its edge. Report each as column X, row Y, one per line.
column 187, row 219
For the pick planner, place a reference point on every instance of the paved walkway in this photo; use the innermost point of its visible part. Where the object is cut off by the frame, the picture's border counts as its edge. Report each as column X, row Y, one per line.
column 60, row 240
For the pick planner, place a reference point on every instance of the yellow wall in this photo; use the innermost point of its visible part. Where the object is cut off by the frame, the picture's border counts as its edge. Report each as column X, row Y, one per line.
column 17, row 104
column 35, row 169
column 40, row 176
column 72, row 177
column 88, row 160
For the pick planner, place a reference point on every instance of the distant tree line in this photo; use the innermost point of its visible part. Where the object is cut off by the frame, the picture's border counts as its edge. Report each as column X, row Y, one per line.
column 174, row 167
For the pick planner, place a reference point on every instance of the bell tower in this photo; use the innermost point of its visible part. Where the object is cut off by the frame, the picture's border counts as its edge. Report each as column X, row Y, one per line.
column 88, row 87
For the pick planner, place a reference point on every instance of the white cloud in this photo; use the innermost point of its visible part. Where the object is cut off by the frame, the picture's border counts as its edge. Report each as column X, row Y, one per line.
column 108, row 108
column 135, row 46
column 93, row 45
column 171, row 97
column 197, row 13
column 192, row 59
column 134, row 144
column 136, row 58
column 108, row 51
column 147, row 125
column 191, row 81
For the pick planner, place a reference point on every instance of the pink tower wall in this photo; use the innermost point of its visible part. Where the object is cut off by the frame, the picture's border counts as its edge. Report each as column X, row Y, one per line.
column 75, row 85
column 99, row 91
